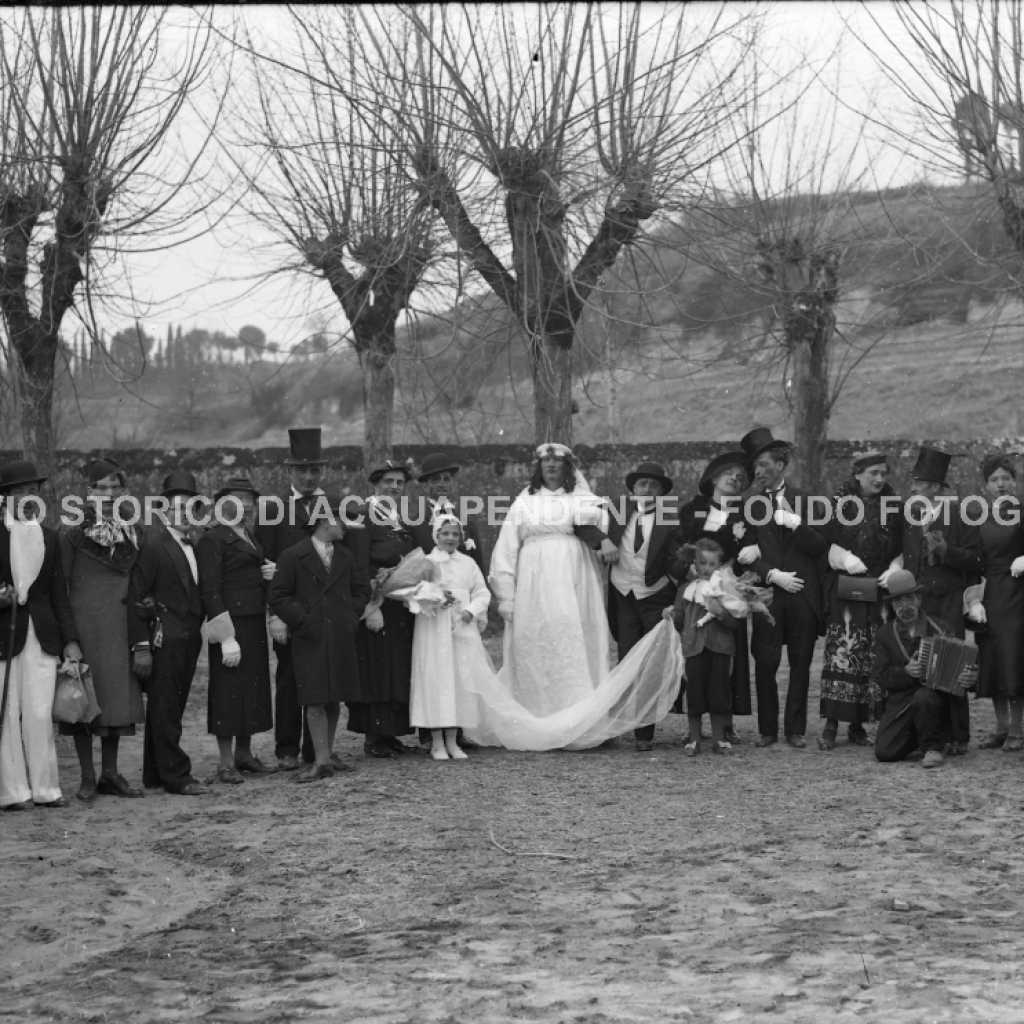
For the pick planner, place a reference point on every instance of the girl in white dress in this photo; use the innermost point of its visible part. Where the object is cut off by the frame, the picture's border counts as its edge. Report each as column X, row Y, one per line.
column 446, row 642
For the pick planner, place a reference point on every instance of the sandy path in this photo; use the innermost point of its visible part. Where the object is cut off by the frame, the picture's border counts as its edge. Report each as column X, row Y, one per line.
column 697, row 890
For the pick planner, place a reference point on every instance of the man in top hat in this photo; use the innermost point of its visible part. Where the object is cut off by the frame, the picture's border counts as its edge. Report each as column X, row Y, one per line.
column 34, row 591
column 788, row 555
column 166, row 578
column 640, row 588
column 307, row 464
column 915, row 716
column 437, row 477
column 944, row 554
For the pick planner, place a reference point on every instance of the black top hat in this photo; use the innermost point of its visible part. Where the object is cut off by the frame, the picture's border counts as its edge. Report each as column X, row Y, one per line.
column 180, row 481
column 436, row 463
column 759, row 440
column 19, row 472
column 388, row 466
column 237, row 483
column 932, row 464
column 305, row 447
column 100, row 469
column 652, row 471
column 719, row 463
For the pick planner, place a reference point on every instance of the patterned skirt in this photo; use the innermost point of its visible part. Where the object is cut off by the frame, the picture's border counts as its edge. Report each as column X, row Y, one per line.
column 847, row 694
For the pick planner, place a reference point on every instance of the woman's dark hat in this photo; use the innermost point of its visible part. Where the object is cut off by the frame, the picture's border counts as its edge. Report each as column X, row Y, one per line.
column 652, row 471
column 865, row 460
column 17, row 473
column 433, row 464
column 901, row 583
column 719, row 463
column 180, row 481
column 235, row 484
column 305, row 447
column 997, row 460
column 100, row 469
column 932, row 465
column 759, row 440
column 388, row 466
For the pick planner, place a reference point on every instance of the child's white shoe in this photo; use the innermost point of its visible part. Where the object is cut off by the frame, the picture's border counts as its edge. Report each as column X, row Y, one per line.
column 456, row 753
column 439, row 754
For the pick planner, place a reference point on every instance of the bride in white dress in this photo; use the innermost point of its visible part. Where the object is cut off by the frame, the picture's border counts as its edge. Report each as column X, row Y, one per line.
column 555, row 688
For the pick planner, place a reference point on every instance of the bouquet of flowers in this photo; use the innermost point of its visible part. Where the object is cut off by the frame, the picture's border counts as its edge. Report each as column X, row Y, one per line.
column 414, row 568
column 739, row 595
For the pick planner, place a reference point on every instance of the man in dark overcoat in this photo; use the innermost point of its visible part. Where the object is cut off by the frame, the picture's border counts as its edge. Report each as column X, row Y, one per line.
column 167, row 585
column 789, row 560
column 640, row 588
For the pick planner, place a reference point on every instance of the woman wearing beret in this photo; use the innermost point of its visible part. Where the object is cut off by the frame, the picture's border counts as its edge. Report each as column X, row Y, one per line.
column 717, row 513
column 98, row 556
column 999, row 617
column 384, row 640
column 865, row 548
column 233, row 580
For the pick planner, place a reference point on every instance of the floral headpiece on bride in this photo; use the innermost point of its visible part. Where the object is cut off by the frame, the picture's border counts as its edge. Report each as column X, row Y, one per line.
column 560, row 451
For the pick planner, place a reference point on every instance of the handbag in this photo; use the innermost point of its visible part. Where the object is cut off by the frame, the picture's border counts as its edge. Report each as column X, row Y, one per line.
column 74, row 698
column 858, row 588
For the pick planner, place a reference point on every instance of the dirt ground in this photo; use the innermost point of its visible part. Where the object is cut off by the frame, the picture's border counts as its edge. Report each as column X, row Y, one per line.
column 591, row 887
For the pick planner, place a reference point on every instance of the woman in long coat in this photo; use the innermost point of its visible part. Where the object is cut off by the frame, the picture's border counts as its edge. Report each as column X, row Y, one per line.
column 717, row 513
column 381, row 711
column 232, row 582
column 319, row 591
column 999, row 619
column 98, row 556
column 864, row 548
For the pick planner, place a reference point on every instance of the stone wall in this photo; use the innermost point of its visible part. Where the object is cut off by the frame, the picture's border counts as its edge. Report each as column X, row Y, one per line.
column 498, row 469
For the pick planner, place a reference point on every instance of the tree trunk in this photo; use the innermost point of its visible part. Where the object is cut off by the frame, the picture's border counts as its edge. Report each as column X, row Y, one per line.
column 809, row 332
column 551, row 361
column 37, row 438
column 378, row 405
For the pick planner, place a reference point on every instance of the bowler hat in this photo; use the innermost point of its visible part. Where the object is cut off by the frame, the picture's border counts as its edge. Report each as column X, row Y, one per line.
column 436, row 463
column 759, row 440
column 180, row 481
column 901, row 583
column 717, row 465
column 652, row 471
column 932, row 465
column 100, row 469
column 19, row 472
column 234, row 484
column 388, row 466
column 304, row 443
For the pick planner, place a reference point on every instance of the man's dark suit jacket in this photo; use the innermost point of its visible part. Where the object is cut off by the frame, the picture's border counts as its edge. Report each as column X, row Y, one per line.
column 661, row 534
column 162, row 572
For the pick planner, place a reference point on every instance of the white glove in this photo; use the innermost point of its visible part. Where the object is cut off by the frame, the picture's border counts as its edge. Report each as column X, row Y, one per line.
column 751, row 553
column 896, row 563
column 788, row 581
column 977, row 613
column 375, row 621
column 1017, row 566
column 505, row 610
column 790, row 520
column 853, row 565
column 230, row 653
column 268, row 569
column 278, row 630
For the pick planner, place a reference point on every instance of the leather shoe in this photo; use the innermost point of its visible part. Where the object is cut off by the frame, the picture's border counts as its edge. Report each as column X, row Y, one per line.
column 468, row 744
column 340, row 764
column 232, row 776
column 288, row 763
column 858, row 736
column 1013, row 744
column 396, row 745
column 192, row 789
column 378, row 748
column 993, row 742
column 956, row 749
column 25, row 805
column 766, row 741
column 316, row 772
column 256, row 767
column 116, row 785
column 731, row 735
column 87, row 791
column 827, row 741
column 796, row 741
column 61, row 801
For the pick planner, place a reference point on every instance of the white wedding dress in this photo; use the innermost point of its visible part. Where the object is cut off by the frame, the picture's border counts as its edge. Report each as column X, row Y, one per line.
column 555, row 688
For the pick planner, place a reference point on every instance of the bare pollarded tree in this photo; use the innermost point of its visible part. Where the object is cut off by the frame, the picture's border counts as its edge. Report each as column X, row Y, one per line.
column 551, row 138
column 328, row 173
column 90, row 159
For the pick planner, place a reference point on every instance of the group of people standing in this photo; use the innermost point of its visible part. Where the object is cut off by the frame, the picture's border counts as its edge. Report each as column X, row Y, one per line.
column 130, row 601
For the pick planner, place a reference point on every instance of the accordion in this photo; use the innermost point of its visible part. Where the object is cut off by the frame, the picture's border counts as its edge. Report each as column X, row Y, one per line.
column 945, row 658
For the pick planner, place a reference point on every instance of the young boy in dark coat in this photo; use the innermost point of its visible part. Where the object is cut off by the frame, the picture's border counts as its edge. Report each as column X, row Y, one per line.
column 319, row 592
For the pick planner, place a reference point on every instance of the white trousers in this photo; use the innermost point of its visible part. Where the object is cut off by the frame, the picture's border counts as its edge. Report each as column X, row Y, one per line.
column 28, row 754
